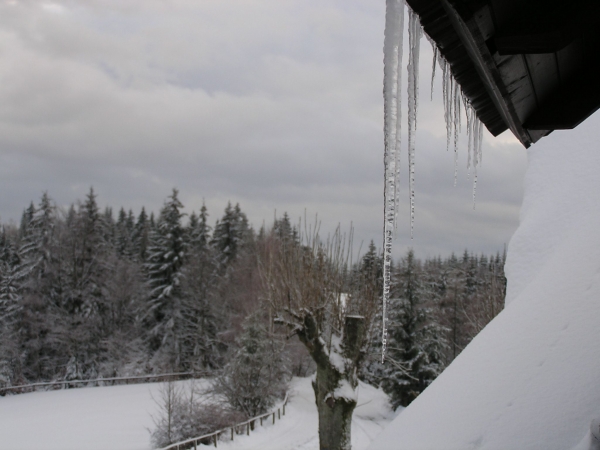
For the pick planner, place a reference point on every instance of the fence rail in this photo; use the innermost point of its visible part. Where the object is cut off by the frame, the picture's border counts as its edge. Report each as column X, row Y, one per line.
column 97, row 381
column 242, row 426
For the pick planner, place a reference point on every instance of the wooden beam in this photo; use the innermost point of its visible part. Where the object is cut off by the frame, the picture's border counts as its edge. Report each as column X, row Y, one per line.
column 546, row 26
column 570, row 105
column 479, row 53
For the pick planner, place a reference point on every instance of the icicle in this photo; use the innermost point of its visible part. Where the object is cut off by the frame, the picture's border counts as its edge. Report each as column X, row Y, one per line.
column 477, row 141
column 480, row 142
column 456, row 124
column 414, row 38
column 447, row 95
column 397, row 152
column 392, row 49
column 433, row 65
column 469, row 112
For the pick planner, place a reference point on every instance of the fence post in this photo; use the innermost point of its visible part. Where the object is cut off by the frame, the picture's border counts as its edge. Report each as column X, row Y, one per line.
column 215, row 439
column 232, row 433
column 273, row 417
column 279, row 413
column 261, row 419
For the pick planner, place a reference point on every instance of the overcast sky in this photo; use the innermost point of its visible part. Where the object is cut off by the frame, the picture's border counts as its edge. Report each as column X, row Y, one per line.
column 275, row 104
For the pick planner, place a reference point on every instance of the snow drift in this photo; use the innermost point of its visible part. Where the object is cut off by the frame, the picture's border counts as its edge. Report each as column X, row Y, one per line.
column 531, row 378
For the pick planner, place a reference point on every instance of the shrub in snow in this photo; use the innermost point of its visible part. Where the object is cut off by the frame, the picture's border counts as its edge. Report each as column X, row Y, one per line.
column 257, row 376
column 186, row 413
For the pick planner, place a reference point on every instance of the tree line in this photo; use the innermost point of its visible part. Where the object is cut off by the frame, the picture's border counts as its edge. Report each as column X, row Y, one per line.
column 85, row 294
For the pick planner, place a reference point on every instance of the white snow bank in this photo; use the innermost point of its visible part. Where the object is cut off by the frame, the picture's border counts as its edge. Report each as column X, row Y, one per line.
column 98, row 418
column 531, row 378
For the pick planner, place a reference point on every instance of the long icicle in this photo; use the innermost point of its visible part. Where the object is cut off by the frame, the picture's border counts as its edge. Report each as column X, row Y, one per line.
column 394, row 19
column 477, row 141
column 398, row 118
column 433, row 66
column 455, row 120
column 414, row 37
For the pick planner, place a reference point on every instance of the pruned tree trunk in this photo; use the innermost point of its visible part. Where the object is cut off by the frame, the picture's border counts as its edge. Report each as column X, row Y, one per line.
column 336, row 380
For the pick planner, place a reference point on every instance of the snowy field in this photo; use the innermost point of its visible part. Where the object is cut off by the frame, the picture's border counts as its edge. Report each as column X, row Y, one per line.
column 120, row 417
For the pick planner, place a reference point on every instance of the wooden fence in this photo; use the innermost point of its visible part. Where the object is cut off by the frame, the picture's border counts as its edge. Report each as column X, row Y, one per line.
column 97, row 382
column 240, row 428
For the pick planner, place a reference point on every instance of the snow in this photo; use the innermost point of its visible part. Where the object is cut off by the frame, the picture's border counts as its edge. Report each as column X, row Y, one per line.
column 529, row 380
column 119, row 418
column 298, row 429
column 334, row 352
column 344, row 390
column 115, row 417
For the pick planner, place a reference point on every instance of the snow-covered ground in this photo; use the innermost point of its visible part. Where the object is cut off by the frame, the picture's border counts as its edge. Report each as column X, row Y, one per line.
column 120, row 417
column 531, row 378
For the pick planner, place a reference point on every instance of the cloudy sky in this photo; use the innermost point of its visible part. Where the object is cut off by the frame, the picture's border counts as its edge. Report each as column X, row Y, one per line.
column 275, row 104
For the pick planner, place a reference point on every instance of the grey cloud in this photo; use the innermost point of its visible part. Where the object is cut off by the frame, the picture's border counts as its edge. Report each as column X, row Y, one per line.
column 273, row 104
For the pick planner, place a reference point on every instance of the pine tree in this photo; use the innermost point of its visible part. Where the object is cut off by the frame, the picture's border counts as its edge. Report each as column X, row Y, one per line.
column 10, row 295
column 371, row 267
column 122, row 238
column 284, row 230
column 166, row 255
column 85, row 293
column 416, row 343
column 140, row 237
column 199, row 230
column 230, row 235
column 26, row 218
column 201, row 346
column 38, row 240
column 255, row 377
column 10, row 309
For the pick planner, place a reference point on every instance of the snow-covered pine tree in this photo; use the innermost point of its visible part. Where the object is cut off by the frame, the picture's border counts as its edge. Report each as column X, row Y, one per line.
column 140, row 236
column 416, row 343
column 40, row 292
column 84, row 305
column 166, row 254
column 25, row 219
column 284, row 230
column 10, row 307
column 190, row 230
column 370, row 267
column 89, row 244
column 123, row 234
column 201, row 347
column 451, row 305
column 256, row 376
column 198, row 231
column 230, row 234
column 9, row 285
column 37, row 239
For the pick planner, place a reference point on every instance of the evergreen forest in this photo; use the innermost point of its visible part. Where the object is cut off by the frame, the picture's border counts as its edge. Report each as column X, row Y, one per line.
column 87, row 293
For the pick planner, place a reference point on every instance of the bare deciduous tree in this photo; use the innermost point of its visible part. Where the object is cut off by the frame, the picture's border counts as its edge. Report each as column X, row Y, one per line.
column 308, row 289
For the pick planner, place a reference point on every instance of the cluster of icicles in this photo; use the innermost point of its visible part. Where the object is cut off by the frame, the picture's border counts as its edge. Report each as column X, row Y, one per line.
column 453, row 99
